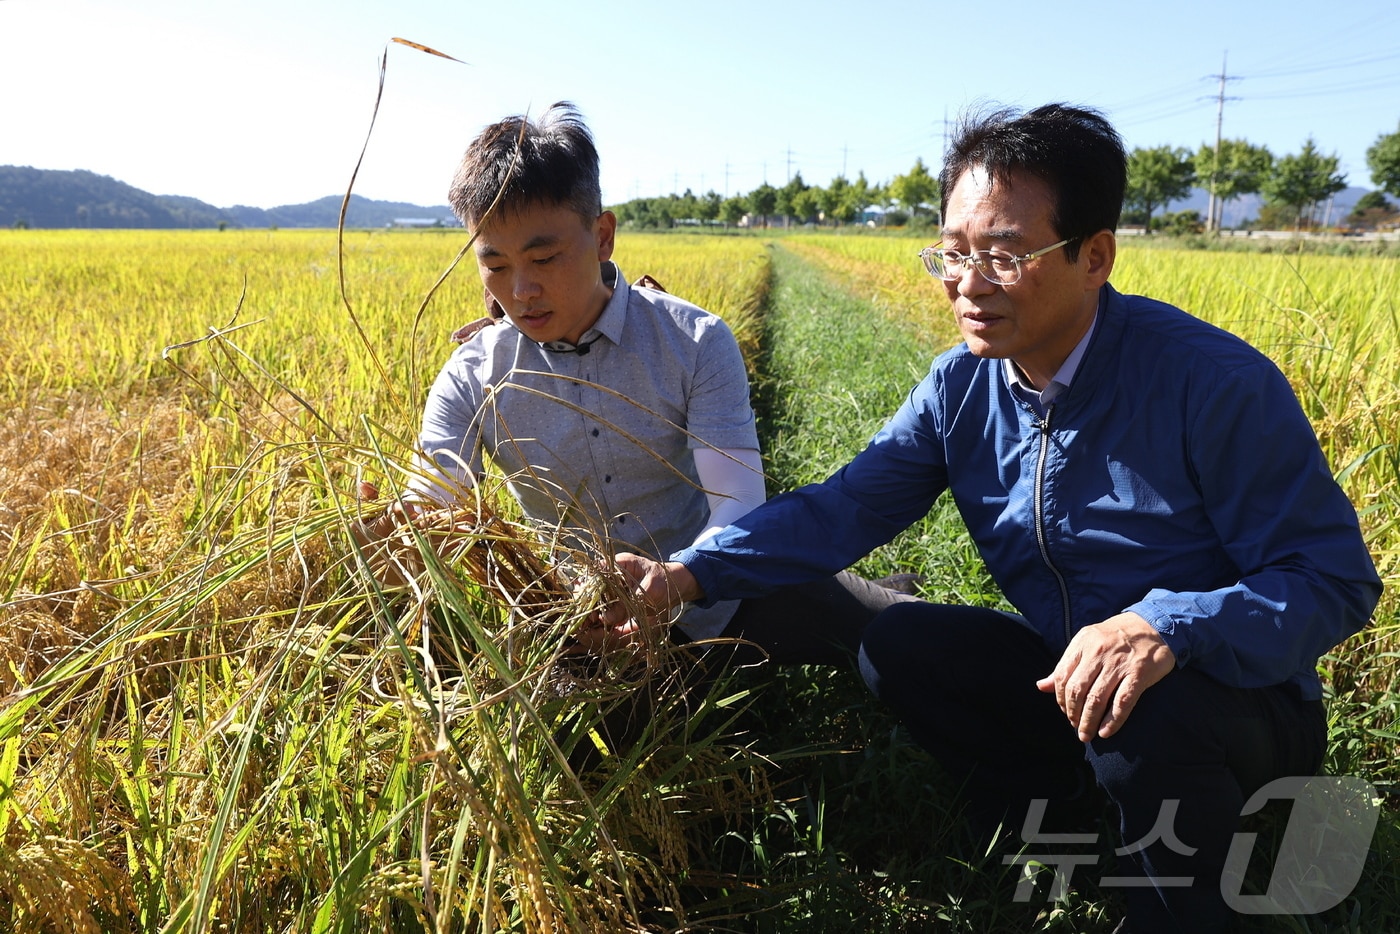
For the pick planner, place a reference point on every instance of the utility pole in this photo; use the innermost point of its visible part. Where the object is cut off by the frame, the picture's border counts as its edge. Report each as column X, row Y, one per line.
column 1215, row 209
column 787, row 219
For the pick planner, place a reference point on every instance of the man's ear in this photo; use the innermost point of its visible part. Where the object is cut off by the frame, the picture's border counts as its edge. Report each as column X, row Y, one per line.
column 1098, row 253
column 606, row 229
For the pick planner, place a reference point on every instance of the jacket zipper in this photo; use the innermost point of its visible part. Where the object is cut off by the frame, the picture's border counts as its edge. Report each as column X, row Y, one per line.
column 1039, row 502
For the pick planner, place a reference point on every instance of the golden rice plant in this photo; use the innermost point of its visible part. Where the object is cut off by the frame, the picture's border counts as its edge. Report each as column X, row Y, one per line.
column 212, row 716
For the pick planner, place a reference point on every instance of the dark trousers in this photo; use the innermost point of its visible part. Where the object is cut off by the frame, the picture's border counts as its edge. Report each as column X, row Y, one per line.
column 963, row 681
column 820, row 623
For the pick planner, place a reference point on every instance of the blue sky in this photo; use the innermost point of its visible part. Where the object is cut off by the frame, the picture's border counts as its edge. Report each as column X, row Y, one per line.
column 266, row 102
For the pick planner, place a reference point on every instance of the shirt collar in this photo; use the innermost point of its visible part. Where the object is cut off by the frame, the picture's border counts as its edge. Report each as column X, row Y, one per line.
column 610, row 322
column 1062, row 378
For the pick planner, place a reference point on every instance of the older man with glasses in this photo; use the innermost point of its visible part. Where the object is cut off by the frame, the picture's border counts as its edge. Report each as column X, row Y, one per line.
column 1147, row 493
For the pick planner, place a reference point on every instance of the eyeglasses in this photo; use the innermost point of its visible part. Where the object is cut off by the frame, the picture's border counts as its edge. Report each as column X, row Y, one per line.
column 996, row 266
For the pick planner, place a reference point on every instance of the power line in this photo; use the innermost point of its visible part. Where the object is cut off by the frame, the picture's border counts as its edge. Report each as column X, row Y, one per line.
column 1192, row 107
column 1156, row 98
column 1381, row 24
column 1369, row 85
column 1347, row 63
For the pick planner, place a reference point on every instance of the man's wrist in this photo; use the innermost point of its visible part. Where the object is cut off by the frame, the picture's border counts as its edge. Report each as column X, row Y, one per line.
column 683, row 583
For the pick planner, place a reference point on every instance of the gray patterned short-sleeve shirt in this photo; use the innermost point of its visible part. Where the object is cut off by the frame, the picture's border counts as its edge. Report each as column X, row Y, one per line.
column 598, row 443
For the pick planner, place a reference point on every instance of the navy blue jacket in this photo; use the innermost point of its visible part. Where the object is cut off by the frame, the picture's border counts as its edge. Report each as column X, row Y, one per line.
column 1177, row 478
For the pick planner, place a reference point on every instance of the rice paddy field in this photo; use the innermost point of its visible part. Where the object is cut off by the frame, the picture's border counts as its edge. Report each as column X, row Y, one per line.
column 213, row 719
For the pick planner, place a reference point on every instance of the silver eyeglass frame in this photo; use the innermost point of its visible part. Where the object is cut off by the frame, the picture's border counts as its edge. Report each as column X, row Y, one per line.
column 981, row 260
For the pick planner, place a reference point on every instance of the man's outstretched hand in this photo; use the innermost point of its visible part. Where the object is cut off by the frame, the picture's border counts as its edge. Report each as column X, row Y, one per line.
column 659, row 585
column 1104, row 671
column 655, row 588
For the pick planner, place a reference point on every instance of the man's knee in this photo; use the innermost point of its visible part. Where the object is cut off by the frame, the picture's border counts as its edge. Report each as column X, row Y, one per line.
column 1177, row 728
column 888, row 645
column 1174, row 714
column 1192, row 724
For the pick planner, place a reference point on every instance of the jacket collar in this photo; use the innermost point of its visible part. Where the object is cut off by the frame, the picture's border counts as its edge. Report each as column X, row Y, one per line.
column 1097, row 361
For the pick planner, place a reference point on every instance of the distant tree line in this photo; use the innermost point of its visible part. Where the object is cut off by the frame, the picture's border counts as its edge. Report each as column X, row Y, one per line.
column 842, row 201
column 1293, row 187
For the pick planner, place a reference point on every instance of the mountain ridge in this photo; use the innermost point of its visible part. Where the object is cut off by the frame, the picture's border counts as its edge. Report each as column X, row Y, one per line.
column 77, row 198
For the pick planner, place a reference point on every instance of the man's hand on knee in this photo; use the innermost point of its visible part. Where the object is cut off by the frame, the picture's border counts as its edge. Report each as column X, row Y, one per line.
column 1104, row 671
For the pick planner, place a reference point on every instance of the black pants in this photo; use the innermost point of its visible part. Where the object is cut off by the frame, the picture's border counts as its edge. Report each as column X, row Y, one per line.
column 963, row 681
column 820, row 623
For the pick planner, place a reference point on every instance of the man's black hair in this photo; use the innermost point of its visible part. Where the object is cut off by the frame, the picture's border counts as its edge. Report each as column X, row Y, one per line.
column 1075, row 151
column 551, row 160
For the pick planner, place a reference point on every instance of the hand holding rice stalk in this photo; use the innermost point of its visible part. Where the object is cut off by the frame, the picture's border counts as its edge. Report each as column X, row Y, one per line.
column 603, row 608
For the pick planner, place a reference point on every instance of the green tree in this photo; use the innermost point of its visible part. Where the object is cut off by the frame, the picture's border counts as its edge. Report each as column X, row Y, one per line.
column 1383, row 159
column 762, row 202
column 626, row 212
column 1156, row 177
column 687, row 206
column 1273, row 217
column 1182, row 223
column 1372, row 201
column 807, row 204
column 915, row 188
column 845, row 211
column 732, row 210
column 1241, row 170
column 1370, row 209
column 787, row 197
column 1300, row 182
column 657, row 212
column 841, row 201
column 864, row 194
column 709, row 205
